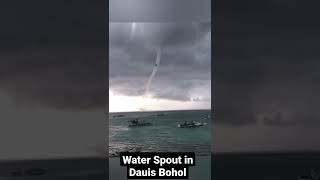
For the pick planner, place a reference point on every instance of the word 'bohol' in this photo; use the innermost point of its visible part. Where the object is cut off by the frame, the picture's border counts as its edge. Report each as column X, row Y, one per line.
column 161, row 172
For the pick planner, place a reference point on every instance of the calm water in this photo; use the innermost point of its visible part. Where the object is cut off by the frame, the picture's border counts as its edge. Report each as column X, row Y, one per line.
column 163, row 135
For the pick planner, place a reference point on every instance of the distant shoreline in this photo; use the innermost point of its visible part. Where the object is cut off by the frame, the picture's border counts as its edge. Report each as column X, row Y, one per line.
column 160, row 111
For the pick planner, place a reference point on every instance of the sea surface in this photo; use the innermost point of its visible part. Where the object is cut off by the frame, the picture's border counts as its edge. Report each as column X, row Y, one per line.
column 162, row 136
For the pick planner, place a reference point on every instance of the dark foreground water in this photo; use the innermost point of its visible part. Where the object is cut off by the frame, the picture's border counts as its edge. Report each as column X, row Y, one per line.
column 162, row 136
column 246, row 166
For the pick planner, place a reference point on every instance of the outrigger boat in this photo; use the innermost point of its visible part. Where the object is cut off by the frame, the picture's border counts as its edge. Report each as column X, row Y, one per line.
column 137, row 123
column 191, row 124
column 118, row 115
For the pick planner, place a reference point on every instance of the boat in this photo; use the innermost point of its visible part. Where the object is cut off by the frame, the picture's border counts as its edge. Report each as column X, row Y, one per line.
column 191, row 124
column 137, row 123
column 117, row 116
column 161, row 114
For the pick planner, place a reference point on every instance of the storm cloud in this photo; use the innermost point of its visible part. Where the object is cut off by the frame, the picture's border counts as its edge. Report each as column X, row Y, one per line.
column 266, row 76
column 53, row 78
column 266, row 62
column 185, row 69
column 56, row 55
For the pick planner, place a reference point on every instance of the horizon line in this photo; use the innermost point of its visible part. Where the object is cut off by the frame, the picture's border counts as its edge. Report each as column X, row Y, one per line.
column 160, row 110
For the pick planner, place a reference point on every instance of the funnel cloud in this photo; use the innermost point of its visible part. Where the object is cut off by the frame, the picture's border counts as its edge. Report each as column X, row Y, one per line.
column 154, row 71
column 170, row 61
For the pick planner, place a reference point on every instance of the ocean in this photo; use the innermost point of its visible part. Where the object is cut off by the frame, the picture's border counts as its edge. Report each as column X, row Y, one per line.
column 162, row 136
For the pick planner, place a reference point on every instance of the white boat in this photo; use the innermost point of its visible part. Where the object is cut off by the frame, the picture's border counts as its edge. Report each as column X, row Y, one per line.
column 192, row 124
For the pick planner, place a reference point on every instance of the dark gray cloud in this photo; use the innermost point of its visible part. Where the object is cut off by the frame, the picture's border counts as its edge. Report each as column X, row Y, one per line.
column 61, row 78
column 54, row 53
column 266, row 67
column 159, row 11
column 266, row 76
column 53, row 73
column 185, row 67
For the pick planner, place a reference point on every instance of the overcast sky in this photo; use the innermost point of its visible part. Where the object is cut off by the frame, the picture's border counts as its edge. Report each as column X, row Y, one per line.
column 184, row 71
column 267, row 77
column 52, row 78
column 266, row 72
column 53, row 74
